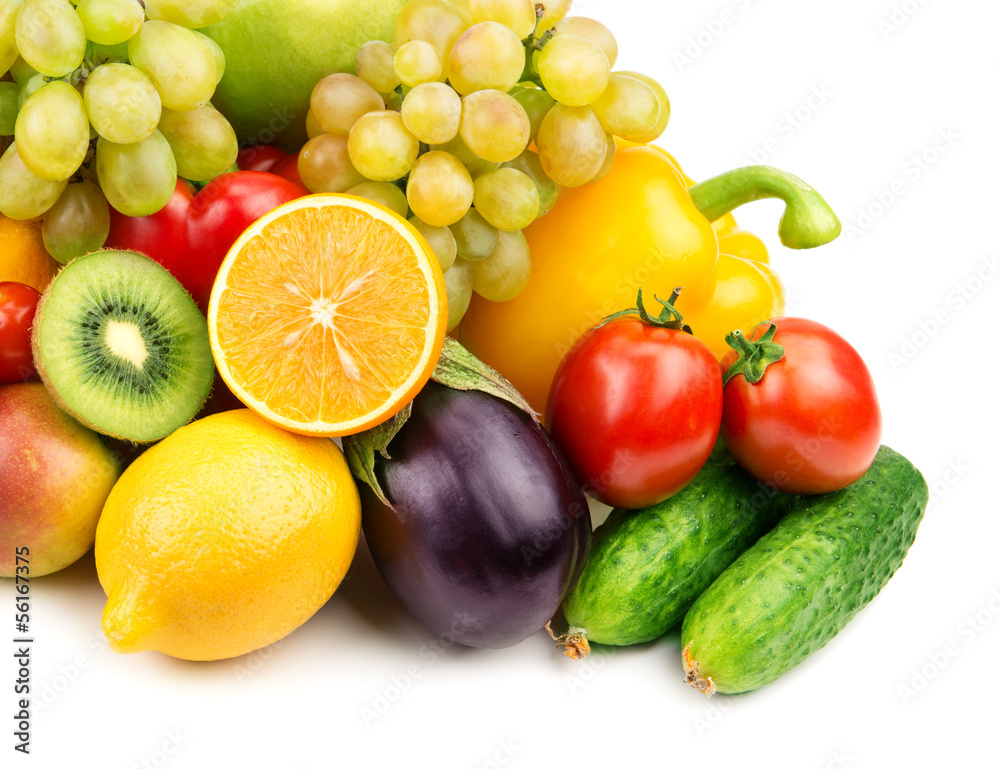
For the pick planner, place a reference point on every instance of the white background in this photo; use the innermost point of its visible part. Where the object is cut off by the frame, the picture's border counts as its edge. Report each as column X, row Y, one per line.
column 892, row 86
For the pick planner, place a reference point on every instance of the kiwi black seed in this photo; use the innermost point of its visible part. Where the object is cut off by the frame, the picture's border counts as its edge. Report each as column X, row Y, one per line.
column 122, row 346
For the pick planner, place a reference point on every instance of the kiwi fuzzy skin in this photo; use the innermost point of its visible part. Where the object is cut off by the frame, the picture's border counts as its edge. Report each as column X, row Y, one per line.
column 39, row 361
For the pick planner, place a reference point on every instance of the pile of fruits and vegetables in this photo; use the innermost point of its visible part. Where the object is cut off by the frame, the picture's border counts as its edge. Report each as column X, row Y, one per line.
column 417, row 269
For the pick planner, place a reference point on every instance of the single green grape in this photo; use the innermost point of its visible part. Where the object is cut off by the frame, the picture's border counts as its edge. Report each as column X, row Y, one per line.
column 504, row 273
column 22, row 194
column 50, row 37
column 325, row 165
column 52, row 131
column 8, row 108
column 494, row 125
column 8, row 37
column 486, row 56
column 439, row 189
column 518, row 15
column 20, row 70
column 179, row 64
column 381, row 147
column 458, row 284
column 475, row 238
column 417, row 62
column 506, row 198
column 122, row 103
column 202, row 140
column 440, row 239
column 536, row 103
column 385, row 193
column 662, row 99
column 571, row 145
column 373, row 63
column 110, row 22
column 313, row 129
column 592, row 30
column 30, row 85
column 193, row 14
column 609, row 159
column 548, row 191
column 432, row 112
column 573, row 70
column 139, row 178
column 217, row 53
column 338, row 100
column 78, row 223
column 628, row 107
column 433, row 21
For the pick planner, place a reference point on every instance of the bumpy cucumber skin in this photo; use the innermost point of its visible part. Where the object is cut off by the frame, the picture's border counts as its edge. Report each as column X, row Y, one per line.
column 647, row 566
column 794, row 590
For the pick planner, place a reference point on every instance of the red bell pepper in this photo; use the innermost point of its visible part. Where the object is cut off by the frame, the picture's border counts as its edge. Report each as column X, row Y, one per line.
column 191, row 235
column 260, row 157
column 264, row 157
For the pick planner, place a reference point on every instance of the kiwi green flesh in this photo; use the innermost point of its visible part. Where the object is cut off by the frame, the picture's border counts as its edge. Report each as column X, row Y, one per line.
column 123, row 347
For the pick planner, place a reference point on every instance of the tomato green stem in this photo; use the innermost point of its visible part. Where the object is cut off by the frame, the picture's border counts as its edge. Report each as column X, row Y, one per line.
column 808, row 220
column 669, row 317
column 754, row 355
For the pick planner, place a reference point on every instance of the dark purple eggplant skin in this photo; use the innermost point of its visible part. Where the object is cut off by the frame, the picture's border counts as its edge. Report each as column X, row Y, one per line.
column 488, row 528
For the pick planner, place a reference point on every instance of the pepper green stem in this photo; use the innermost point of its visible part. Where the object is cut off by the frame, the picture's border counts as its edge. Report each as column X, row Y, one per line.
column 808, row 220
column 754, row 355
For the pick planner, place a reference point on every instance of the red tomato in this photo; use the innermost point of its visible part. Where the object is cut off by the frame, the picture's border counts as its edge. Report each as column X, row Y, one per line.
column 17, row 311
column 812, row 423
column 636, row 409
column 191, row 235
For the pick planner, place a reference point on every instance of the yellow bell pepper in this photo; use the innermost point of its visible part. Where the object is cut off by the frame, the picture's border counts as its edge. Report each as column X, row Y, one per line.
column 746, row 290
column 638, row 227
column 732, row 240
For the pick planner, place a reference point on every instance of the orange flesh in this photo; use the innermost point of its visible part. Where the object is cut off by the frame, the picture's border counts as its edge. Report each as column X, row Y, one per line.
column 305, row 320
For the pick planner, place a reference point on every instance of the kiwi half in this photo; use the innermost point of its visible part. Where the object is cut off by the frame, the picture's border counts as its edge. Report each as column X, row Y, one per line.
column 122, row 347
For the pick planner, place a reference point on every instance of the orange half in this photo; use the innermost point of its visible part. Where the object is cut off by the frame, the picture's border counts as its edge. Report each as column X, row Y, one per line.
column 328, row 315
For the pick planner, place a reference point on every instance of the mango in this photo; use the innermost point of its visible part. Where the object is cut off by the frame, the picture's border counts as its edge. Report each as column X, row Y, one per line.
column 55, row 475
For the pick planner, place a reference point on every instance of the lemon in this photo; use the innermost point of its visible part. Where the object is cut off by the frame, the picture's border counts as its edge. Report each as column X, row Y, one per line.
column 224, row 537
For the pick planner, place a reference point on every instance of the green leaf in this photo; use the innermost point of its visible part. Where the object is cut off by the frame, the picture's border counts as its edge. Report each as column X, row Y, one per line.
column 360, row 450
column 459, row 369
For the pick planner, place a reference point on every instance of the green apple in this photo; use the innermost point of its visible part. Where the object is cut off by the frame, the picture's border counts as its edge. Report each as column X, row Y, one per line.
column 55, row 475
column 277, row 50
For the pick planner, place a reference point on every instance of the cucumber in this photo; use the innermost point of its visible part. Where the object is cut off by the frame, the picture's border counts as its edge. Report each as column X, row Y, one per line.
column 800, row 584
column 646, row 567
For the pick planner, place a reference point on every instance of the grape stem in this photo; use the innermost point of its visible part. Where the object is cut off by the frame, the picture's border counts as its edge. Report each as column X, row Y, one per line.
column 807, row 222
column 538, row 43
column 532, row 44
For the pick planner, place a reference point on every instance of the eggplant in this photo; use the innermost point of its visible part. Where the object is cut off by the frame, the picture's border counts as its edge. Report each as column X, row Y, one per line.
column 474, row 518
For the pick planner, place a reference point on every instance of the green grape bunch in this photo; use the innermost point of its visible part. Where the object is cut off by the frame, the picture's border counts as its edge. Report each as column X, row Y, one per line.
column 106, row 103
column 471, row 122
